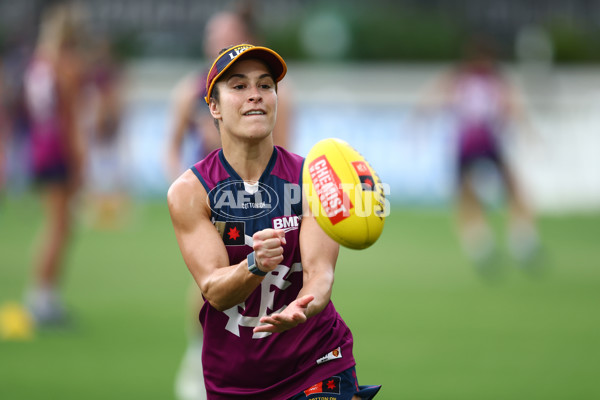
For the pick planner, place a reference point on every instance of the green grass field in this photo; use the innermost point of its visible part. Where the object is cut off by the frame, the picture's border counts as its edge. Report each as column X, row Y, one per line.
column 426, row 324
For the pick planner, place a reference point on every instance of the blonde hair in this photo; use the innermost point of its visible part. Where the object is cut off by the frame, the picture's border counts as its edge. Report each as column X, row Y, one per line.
column 62, row 26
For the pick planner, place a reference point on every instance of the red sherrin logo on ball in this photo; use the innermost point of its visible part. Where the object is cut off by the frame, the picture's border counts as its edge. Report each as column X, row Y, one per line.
column 328, row 187
column 364, row 175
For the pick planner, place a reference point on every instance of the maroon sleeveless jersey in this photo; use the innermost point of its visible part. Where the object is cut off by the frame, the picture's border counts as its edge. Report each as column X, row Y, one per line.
column 239, row 364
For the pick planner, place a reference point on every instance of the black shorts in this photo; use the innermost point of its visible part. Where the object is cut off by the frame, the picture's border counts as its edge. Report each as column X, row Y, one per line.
column 467, row 161
column 341, row 386
column 54, row 174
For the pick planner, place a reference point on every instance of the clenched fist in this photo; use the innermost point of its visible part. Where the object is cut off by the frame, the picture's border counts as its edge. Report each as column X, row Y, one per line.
column 268, row 248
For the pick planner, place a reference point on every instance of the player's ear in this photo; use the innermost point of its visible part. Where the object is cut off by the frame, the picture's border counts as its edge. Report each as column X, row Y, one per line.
column 214, row 108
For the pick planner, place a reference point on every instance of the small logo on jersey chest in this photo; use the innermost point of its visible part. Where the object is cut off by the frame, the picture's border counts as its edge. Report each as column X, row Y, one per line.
column 287, row 223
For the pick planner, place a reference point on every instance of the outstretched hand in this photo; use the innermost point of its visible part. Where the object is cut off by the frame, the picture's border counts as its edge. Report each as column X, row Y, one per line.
column 290, row 317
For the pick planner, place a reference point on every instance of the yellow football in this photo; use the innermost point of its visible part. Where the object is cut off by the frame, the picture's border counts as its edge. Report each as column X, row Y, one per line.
column 344, row 193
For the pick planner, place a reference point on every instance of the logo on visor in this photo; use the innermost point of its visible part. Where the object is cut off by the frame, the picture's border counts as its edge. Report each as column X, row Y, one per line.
column 237, row 51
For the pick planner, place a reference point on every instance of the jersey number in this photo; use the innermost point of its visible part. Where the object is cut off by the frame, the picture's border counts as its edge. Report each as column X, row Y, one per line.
column 275, row 278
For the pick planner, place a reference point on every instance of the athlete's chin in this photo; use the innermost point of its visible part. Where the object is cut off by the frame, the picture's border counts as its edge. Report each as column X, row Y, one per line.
column 259, row 132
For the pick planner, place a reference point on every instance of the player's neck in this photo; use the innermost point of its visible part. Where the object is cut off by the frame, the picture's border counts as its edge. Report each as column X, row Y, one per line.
column 249, row 160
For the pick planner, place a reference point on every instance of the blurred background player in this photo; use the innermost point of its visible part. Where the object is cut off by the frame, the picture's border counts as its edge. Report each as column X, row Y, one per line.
column 15, row 131
column 106, row 186
column 483, row 104
column 190, row 116
column 53, row 93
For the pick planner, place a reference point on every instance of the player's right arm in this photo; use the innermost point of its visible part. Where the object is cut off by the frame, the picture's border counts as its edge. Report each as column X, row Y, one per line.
column 204, row 253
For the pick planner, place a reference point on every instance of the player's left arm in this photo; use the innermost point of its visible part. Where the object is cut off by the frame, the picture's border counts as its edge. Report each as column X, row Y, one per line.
column 69, row 83
column 319, row 255
column 515, row 111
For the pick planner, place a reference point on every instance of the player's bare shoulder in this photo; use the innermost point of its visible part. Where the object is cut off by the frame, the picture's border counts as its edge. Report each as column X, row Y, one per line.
column 186, row 198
